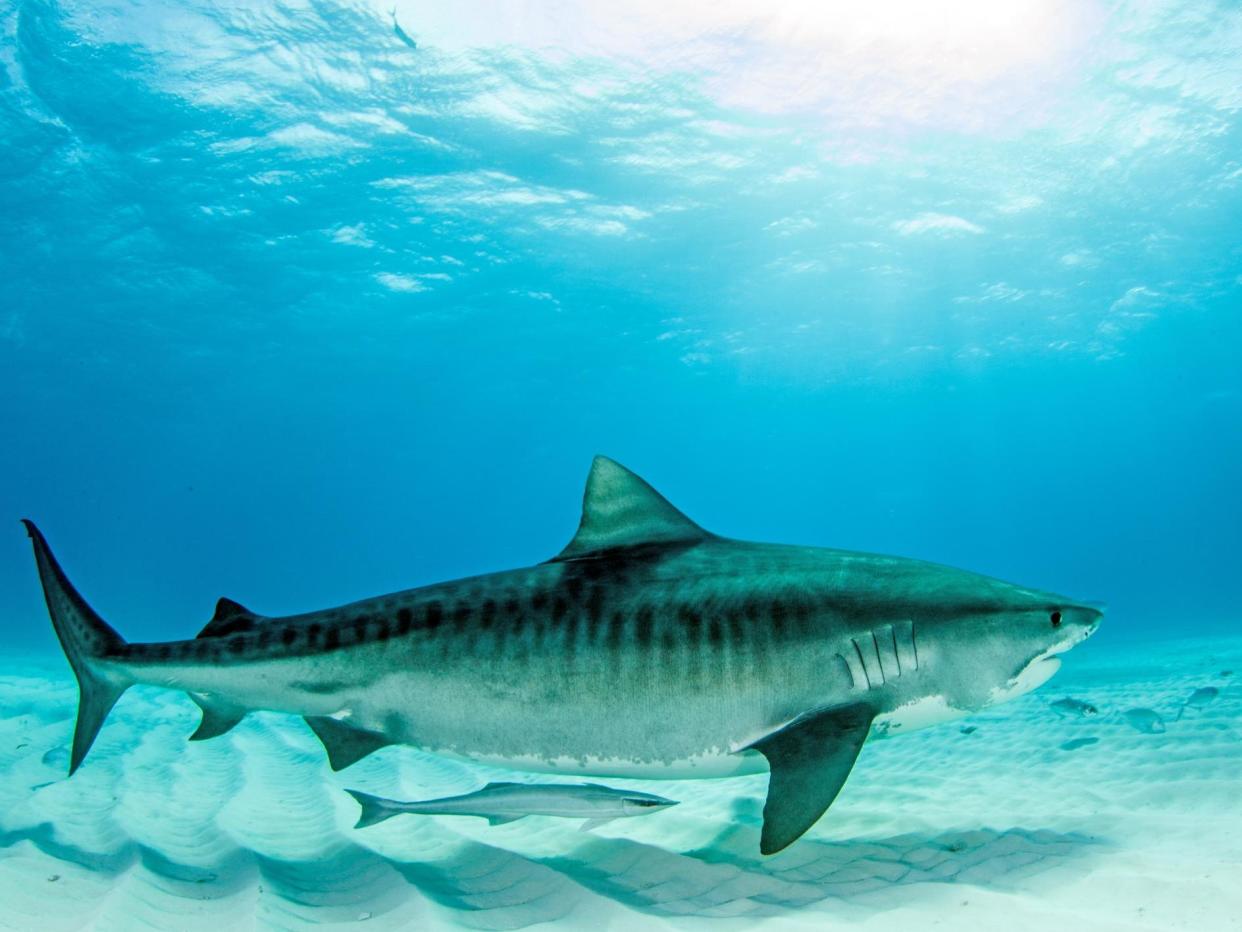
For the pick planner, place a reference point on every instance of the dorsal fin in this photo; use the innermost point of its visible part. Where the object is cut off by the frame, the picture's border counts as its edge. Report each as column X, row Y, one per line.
column 230, row 618
column 621, row 510
column 227, row 608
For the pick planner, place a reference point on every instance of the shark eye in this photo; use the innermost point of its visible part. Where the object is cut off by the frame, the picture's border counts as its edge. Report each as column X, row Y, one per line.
column 1056, row 619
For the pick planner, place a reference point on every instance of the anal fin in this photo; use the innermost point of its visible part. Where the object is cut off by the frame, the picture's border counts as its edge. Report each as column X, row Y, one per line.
column 809, row 759
column 345, row 743
column 503, row 819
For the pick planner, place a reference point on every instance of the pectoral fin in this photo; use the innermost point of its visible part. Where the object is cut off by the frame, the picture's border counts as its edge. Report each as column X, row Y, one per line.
column 593, row 823
column 809, row 759
column 344, row 743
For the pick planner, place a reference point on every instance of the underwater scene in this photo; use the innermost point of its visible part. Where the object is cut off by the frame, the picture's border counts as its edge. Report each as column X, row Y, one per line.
column 649, row 465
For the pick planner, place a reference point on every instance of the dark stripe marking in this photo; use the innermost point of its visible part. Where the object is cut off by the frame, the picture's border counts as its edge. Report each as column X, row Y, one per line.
column 433, row 615
column 691, row 620
column 644, row 626
column 595, row 604
column 778, row 613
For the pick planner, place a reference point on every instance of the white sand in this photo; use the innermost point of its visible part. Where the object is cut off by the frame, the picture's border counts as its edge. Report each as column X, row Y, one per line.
column 997, row 829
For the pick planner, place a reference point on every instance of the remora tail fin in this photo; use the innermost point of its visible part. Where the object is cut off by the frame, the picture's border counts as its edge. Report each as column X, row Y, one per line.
column 374, row 808
column 86, row 639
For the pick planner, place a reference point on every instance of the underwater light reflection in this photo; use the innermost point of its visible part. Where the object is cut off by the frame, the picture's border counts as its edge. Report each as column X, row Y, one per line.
column 951, row 64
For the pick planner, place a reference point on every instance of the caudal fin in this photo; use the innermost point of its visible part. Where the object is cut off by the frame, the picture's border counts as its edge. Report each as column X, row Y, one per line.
column 86, row 639
column 374, row 808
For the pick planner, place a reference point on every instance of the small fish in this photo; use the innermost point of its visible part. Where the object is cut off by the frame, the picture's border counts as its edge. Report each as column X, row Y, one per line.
column 1226, row 673
column 1198, row 699
column 506, row 802
column 1073, row 707
column 1144, row 720
column 399, row 32
column 968, row 729
column 1075, row 743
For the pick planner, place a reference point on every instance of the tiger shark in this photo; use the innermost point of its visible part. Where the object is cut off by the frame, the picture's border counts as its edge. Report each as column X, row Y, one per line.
column 648, row 647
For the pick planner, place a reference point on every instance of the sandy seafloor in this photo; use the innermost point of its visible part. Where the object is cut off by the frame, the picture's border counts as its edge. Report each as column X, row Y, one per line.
column 998, row 828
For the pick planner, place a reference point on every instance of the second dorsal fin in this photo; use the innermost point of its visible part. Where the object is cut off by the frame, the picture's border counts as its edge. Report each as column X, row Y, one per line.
column 230, row 618
column 621, row 510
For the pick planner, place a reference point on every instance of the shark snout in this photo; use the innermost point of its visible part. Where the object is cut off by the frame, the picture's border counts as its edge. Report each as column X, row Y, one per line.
column 1078, row 623
column 1093, row 618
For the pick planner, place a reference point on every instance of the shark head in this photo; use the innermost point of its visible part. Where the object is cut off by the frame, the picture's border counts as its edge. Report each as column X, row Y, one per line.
column 1042, row 636
column 1014, row 646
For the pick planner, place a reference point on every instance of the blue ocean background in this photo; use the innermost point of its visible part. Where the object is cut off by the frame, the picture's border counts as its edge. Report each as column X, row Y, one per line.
column 307, row 301
column 297, row 313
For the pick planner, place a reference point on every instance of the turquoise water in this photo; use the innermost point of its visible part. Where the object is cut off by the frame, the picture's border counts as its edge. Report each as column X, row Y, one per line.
column 306, row 302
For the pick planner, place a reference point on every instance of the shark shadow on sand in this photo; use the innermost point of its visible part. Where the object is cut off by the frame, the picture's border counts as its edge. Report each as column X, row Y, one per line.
column 484, row 886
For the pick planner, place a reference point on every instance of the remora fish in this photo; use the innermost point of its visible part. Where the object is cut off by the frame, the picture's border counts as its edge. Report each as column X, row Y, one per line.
column 648, row 647
column 507, row 802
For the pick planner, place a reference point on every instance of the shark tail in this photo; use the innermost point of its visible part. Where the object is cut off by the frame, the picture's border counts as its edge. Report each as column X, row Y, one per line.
column 86, row 640
column 374, row 808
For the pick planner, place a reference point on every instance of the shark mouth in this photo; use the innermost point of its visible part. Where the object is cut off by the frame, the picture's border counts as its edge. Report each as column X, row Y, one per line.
column 1037, row 672
column 1031, row 675
column 1047, row 662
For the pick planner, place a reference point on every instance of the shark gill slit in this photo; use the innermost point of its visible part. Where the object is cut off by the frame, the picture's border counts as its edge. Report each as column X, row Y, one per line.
column 861, row 663
column 892, row 633
column 870, row 655
column 886, row 647
column 850, row 670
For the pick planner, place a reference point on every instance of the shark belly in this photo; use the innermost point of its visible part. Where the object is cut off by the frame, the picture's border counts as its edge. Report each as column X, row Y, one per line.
column 630, row 736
